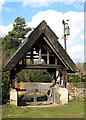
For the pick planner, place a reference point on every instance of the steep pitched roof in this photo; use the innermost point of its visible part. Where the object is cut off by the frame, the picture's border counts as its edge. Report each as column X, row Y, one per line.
column 31, row 40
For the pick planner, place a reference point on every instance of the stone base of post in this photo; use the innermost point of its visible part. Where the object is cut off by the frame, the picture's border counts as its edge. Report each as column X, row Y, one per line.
column 63, row 92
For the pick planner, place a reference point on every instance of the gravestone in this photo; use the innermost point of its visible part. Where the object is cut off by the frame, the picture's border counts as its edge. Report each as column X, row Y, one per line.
column 63, row 93
column 13, row 97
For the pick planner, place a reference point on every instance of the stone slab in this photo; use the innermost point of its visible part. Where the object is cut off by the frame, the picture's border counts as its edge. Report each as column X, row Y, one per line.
column 63, row 92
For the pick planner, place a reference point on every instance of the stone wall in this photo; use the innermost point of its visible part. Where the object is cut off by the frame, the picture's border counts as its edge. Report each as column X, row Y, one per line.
column 76, row 93
column 79, row 92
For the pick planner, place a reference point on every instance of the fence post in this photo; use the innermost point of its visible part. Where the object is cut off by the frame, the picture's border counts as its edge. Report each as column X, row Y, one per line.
column 34, row 96
column 53, row 95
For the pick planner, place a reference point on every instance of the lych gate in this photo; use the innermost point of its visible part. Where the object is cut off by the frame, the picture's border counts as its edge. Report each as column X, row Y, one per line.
column 41, row 50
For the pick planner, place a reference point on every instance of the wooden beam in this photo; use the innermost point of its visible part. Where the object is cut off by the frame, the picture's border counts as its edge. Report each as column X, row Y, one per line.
column 46, row 54
column 33, row 57
column 39, row 53
column 47, row 48
column 42, row 66
column 48, row 57
column 55, row 52
column 33, row 54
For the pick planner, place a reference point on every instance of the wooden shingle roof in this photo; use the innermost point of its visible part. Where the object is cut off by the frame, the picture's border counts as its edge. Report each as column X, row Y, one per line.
column 32, row 39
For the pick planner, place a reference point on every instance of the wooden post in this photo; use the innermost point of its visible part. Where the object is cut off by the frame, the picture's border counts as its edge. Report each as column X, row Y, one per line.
column 48, row 57
column 34, row 96
column 55, row 61
column 22, row 61
column 31, row 60
column 53, row 95
column 25, row 60
column 64, row 79
column 60, row 79
column 12, row 78
column 55, row 76
column 39, row 53
column 13, row 92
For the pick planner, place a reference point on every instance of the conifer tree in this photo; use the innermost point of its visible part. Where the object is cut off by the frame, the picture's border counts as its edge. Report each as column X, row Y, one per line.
column 14, row 37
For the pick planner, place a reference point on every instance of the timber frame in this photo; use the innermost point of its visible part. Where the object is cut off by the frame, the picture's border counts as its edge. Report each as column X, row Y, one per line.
column 40, row 50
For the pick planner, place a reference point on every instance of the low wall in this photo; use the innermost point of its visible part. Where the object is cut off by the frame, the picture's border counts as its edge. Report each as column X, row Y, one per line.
column 80, row 92
column 76, row 93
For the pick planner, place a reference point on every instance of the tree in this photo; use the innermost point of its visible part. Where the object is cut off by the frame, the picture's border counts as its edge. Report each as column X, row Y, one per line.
column 19, row 27
column 33, row 76
column 14, row 37
column 5, row 87
column 10, row 41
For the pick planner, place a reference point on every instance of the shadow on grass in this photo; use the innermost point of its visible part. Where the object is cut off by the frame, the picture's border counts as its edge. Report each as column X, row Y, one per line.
column 29, row 100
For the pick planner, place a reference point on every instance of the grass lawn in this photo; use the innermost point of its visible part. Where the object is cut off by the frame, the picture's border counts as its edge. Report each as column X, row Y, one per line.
column 74, row 109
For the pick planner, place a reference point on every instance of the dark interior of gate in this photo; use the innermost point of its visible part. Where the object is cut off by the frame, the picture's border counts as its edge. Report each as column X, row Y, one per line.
column 41, row 50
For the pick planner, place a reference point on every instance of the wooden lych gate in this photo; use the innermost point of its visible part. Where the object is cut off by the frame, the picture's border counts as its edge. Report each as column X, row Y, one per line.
column 47, row 97
column 41, row 50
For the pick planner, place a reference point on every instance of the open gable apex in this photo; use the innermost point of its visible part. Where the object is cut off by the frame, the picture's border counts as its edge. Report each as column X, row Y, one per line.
column 43, row 30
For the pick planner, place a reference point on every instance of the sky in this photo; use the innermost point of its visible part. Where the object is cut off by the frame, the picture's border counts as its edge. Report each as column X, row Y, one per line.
column 53, row 12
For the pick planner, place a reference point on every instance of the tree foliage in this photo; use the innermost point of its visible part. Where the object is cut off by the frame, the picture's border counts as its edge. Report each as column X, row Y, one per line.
column 76, row 78
column 14, row 37
column 33, row 76
column 20, row 28
column 5, row 87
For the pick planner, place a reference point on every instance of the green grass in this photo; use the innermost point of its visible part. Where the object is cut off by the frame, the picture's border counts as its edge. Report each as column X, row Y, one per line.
column 74, row 109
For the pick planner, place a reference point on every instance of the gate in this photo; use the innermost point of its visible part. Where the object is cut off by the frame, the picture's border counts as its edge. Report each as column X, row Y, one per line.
column 38, row 93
